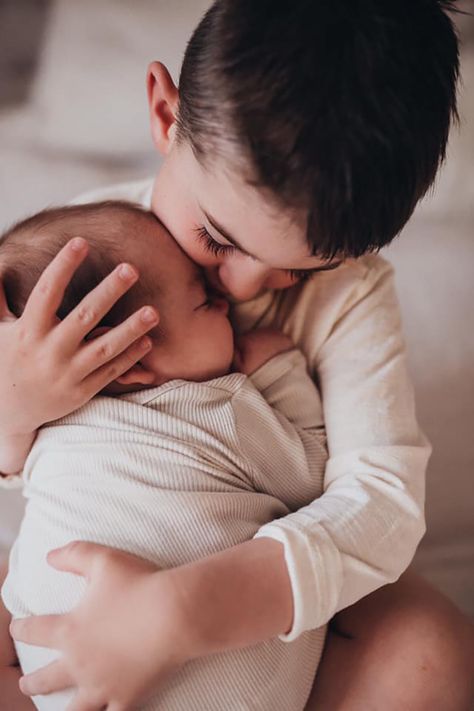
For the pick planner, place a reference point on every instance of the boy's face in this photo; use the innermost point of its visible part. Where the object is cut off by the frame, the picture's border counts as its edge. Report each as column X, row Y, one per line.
column 227, row 227
column 195, row 339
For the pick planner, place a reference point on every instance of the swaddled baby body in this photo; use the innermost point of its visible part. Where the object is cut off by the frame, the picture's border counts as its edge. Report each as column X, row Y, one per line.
column 178, row 458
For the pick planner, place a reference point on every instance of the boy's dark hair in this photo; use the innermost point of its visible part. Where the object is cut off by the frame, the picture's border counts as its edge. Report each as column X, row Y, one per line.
column 340, row 108
column 30, row 245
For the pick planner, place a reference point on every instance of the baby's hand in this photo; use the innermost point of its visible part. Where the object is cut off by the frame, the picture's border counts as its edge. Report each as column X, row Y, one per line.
column 255, row 348
column 47, row 369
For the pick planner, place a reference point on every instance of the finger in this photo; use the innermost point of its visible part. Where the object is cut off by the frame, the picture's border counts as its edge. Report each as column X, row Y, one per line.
column 77, row 557
column 81, row 703
column 105, row 348
column 111, row 371
column 46, row 297
column 93, row 307
column 39, row 631
column 53, row 677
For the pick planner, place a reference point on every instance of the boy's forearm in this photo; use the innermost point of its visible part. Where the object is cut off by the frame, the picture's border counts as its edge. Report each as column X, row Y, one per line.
column 235, row 598
column 14, row 450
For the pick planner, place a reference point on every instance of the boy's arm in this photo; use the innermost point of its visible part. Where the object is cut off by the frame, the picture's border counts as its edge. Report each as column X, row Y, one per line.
column 363, row 531
column 47, row 369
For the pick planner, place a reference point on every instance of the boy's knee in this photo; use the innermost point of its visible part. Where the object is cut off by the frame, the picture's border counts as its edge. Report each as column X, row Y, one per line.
column 437, row 648
column 419, row 641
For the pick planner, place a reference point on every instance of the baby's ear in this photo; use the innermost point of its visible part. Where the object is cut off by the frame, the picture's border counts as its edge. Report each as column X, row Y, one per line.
column 138, row 374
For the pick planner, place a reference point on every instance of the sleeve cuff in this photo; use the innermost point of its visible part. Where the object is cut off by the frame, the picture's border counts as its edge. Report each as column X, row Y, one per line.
column 315, row 572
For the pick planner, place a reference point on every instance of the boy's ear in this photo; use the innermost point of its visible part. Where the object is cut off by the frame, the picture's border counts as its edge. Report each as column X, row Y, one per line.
column 138, row 374
column 163, row 102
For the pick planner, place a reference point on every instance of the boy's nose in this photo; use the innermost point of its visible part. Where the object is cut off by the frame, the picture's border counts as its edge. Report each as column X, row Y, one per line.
column 243, row 278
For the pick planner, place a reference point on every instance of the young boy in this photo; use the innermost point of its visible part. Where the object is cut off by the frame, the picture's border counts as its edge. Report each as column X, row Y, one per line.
column 187, row 464
column 302, row 135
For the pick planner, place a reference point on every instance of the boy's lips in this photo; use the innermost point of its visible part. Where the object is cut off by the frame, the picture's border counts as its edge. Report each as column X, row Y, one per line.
column 220, row 304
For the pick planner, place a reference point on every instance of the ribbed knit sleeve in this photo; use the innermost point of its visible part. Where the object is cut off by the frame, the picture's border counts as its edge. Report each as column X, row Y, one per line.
column 278, row 418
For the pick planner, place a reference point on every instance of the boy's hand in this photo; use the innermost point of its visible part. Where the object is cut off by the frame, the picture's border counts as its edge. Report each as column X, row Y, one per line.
column 47, row 369
column 128, row 619
column 255, row 348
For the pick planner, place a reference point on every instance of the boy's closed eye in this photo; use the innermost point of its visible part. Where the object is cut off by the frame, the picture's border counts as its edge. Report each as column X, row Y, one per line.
column 217, row 249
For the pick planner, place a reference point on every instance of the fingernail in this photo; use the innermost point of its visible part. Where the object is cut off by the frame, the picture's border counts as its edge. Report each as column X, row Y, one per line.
column 78, row 244
column 145, row 343
column 148, row 315
column 127, row 272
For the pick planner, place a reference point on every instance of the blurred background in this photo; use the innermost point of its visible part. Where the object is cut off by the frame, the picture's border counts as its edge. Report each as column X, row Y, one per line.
column 73, row 117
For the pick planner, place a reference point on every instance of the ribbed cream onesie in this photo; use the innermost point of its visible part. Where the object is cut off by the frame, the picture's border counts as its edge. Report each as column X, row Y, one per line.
column 172, row 474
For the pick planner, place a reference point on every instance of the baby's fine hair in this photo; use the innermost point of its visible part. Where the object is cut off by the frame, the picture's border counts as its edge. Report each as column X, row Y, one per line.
column 29, row 246
column 338, row 108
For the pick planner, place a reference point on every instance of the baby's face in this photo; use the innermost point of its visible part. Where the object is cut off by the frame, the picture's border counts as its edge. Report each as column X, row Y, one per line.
column 197, row 338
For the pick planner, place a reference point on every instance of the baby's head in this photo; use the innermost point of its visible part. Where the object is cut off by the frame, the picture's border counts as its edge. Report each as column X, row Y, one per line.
column 194, row 339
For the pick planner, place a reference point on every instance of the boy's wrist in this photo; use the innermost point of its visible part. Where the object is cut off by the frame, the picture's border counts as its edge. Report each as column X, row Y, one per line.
column 14, row 449
column 235, row 598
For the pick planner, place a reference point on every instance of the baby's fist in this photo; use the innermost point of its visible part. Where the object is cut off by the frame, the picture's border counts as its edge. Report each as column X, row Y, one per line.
column 255, row 348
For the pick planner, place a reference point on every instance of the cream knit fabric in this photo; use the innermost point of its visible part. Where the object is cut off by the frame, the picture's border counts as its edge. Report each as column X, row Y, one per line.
column 172, row 474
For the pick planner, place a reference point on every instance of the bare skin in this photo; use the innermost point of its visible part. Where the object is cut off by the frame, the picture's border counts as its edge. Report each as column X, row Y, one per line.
column 408, row 637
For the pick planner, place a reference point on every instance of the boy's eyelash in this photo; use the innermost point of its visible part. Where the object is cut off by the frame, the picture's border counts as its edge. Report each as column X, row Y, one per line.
column 210, row 244
column 218, row 250
column 300, row 274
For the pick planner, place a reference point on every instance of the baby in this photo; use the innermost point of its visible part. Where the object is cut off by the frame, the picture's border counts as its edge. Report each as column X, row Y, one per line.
column 179, row 457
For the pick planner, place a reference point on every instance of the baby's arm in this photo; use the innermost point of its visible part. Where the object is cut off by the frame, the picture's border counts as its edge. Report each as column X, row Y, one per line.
column 279, row 372
column 283, row 381
column 280, row 425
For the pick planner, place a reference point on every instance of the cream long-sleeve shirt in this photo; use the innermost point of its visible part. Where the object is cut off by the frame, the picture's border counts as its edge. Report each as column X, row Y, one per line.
column 363, row 531
column 172, row 474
